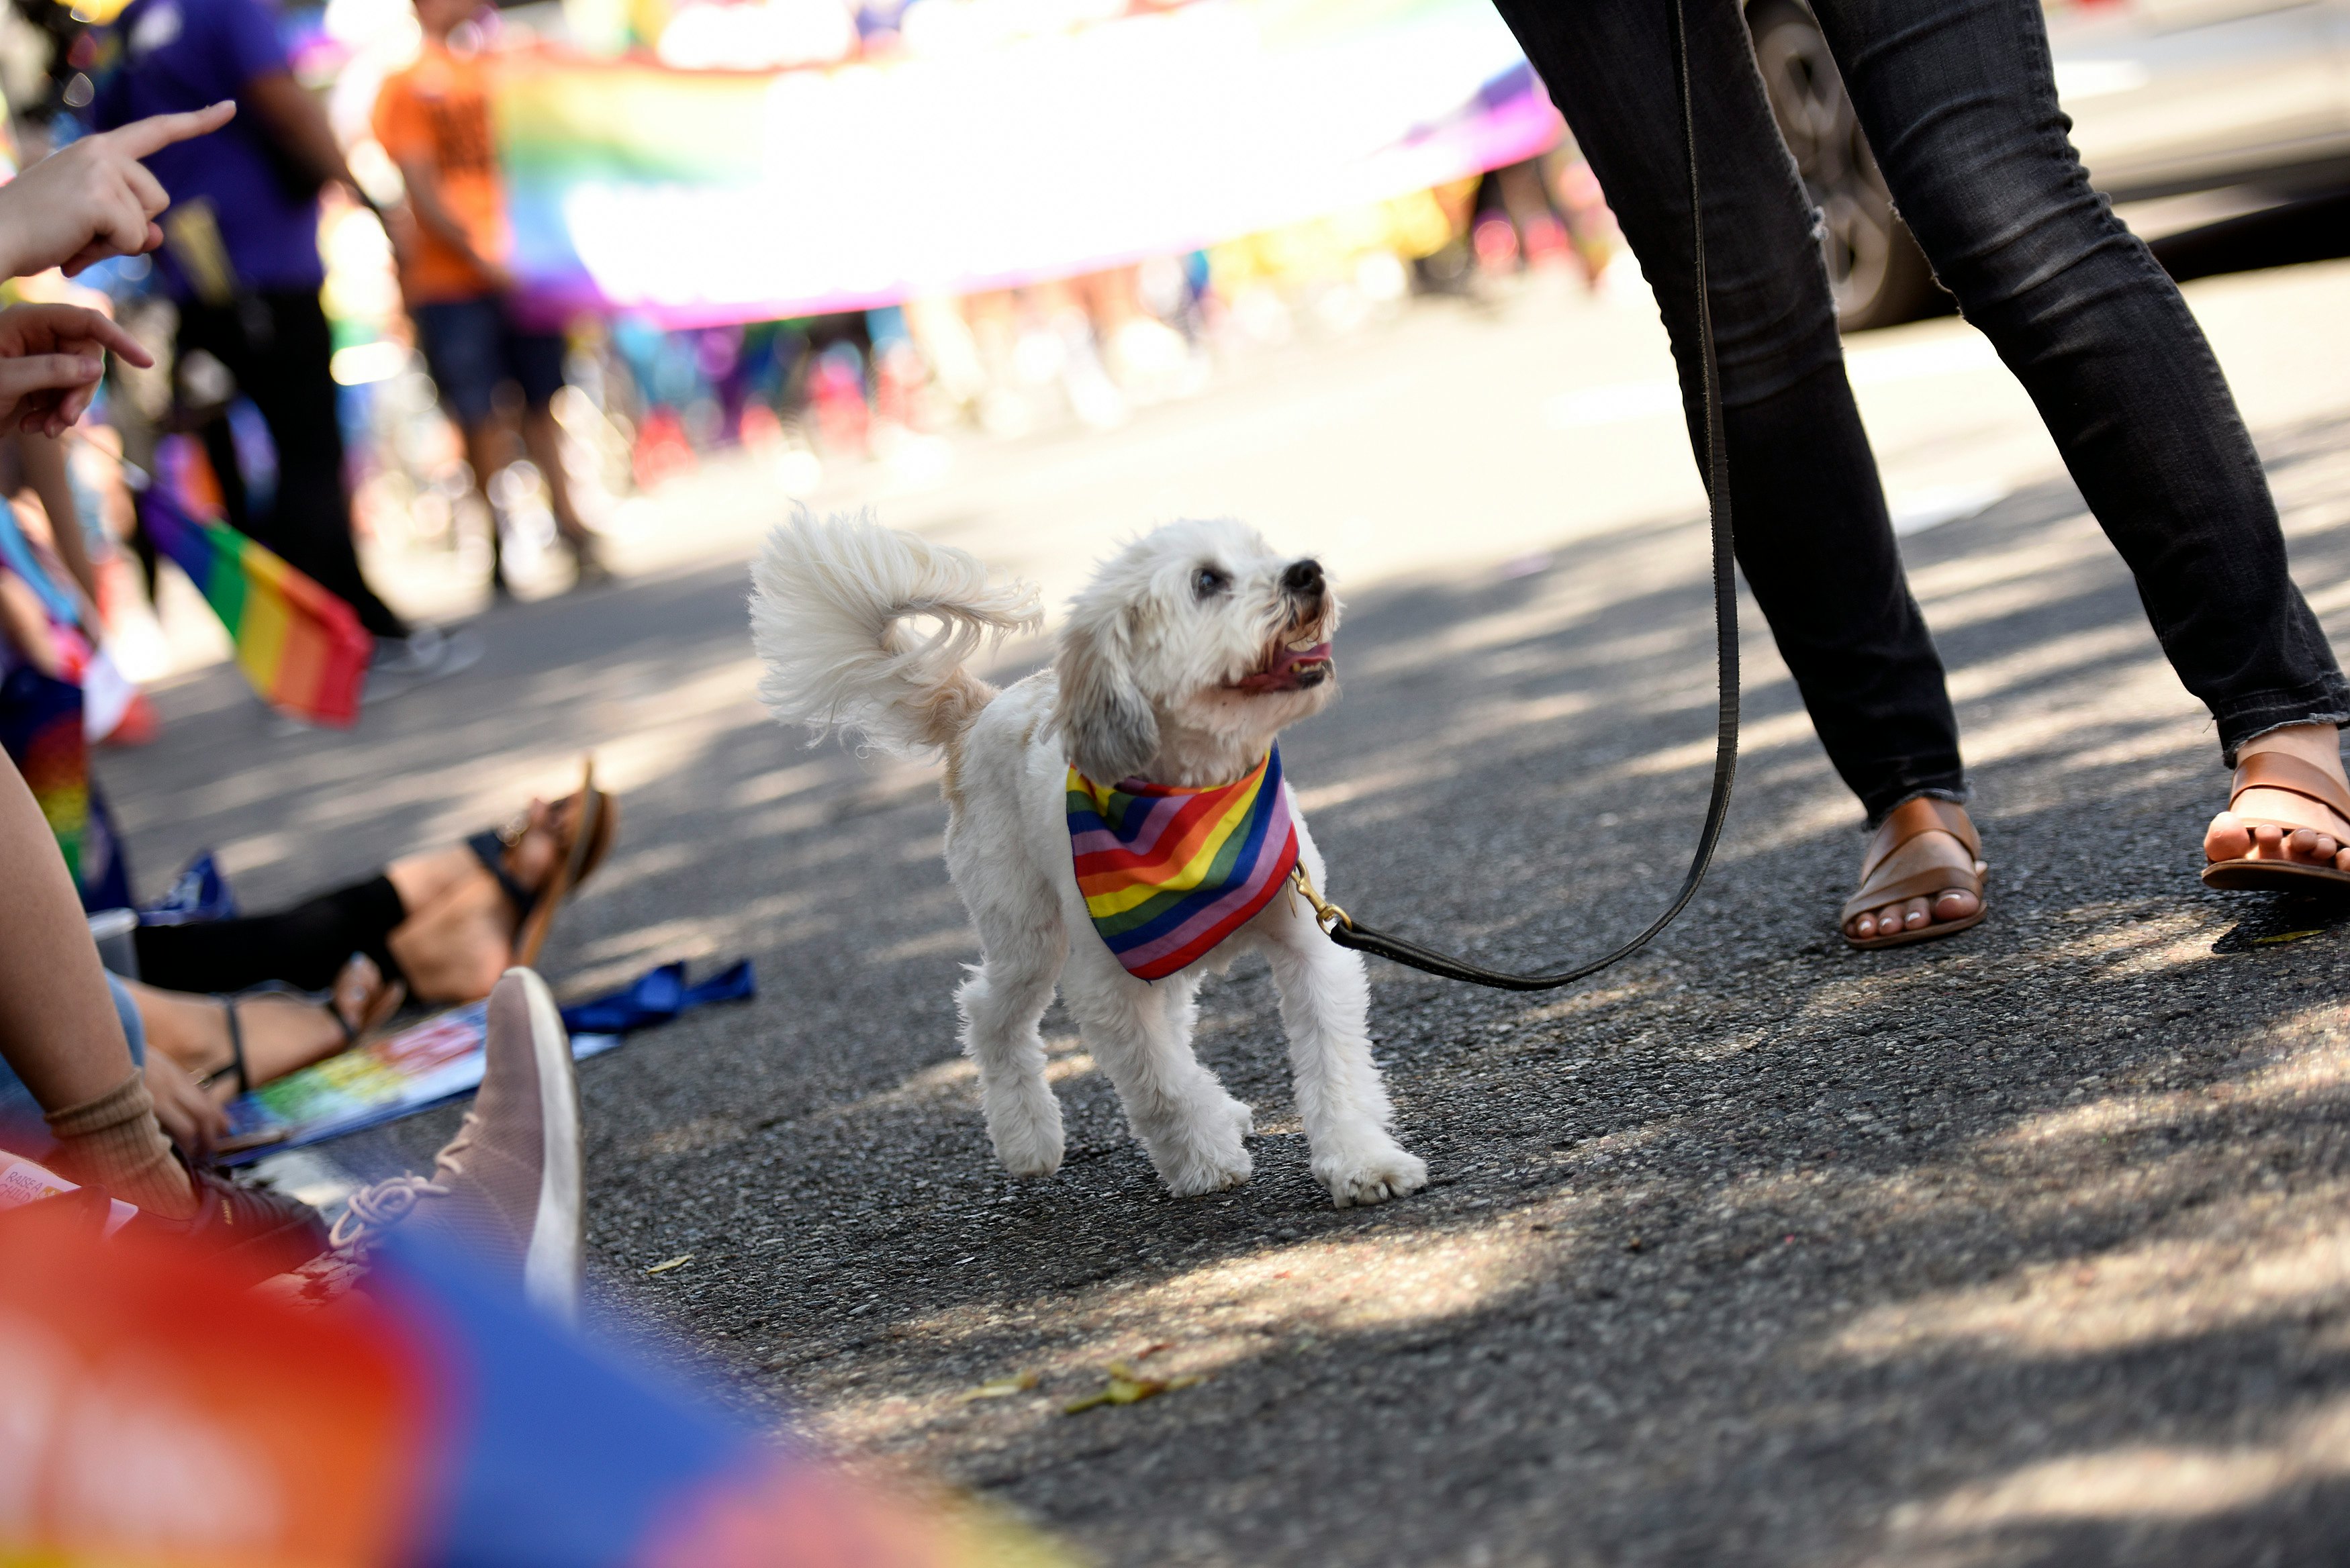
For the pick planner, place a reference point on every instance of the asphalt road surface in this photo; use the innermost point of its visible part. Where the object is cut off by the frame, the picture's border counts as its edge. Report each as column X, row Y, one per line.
column 2024, row 1247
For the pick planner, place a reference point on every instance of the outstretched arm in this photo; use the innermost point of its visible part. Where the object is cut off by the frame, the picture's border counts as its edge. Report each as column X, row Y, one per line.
column 292, row 119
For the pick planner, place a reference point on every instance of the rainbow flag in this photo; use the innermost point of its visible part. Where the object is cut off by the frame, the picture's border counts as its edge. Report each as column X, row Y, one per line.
column 700, row 197
column 41, row 731
column 303, row 648
column 1168, row 873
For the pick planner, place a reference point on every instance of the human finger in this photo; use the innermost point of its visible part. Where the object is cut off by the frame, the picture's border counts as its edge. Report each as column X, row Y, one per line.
column 148, row 190
column 89, row 256
column 72, row 403
column 142, row 137
column 106, row 332
column 25, row 374
column 194, row 1121
column 67, row 330
column 117, row 224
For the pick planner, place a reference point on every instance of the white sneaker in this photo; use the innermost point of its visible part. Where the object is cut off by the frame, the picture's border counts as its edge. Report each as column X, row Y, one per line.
column 506, row 1188
column 428, row 653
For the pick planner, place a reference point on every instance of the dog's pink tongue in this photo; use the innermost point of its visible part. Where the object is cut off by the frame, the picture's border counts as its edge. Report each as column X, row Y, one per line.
column 1283, row 675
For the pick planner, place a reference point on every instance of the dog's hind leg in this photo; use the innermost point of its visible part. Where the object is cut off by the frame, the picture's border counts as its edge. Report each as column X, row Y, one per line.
column 1142, row 1036
column 1001, row 1003
column 1324, row 1010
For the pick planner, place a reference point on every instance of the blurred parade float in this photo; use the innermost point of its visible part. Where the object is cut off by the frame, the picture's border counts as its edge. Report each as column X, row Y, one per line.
column 832, row 232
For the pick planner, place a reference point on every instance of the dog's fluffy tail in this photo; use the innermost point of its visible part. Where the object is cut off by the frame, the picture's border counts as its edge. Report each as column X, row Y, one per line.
column 828, row 605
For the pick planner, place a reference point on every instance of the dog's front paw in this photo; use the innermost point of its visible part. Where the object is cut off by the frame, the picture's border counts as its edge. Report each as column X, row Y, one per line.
column 1209, row 1154
column 1372, row 1176
column 1026, row 1134
column 1199, row 1174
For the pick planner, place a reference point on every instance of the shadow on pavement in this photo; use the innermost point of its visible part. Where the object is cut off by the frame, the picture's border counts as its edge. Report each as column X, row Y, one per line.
column 2025, row 1247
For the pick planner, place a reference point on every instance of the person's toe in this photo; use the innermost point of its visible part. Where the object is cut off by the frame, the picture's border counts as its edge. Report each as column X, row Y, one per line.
column 1955, row 903
column 1913, row 914
column 2226, row 839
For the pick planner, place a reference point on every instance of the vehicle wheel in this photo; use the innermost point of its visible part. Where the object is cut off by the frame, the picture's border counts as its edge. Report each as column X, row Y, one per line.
column 1877, row 273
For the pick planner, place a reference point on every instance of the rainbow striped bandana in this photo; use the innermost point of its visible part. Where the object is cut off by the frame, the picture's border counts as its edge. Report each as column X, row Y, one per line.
column 1168, row 873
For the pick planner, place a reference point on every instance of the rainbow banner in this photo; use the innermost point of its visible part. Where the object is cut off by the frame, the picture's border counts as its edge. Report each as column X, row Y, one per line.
column 301, row 647
column 1169, row 872
column 706, row 197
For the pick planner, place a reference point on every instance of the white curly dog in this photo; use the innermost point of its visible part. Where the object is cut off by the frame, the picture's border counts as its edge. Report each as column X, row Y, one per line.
column 1181, row 660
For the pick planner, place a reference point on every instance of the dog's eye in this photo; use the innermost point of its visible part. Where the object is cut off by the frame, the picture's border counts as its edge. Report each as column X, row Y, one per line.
column 1210, row 581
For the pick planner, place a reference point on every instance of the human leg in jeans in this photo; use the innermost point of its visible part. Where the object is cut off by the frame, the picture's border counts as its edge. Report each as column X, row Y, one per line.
column 1813, row 538
column 278, row 347
column 1959, row 99
column 1958, row 96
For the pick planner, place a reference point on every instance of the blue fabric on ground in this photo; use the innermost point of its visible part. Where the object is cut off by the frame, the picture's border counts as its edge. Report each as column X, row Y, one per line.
column 199, row 892
column 656, row 997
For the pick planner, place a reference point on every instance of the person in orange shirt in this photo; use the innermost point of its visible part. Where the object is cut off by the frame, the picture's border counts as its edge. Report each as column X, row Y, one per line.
column 433, row 119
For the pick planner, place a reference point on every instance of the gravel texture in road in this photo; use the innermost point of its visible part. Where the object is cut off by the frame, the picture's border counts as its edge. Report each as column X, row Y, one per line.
column 2027, row 1246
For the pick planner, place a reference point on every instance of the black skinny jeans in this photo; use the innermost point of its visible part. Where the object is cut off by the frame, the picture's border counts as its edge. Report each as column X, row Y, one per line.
column 1959, row 100
column 278, row 348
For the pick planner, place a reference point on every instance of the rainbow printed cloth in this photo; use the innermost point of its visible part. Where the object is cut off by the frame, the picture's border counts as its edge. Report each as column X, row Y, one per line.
column 1168, row 873
column 41, row 731
column 301, row 647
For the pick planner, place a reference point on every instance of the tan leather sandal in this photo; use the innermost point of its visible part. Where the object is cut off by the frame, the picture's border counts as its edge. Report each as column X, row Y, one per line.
column 1896, row 867
column 2276, row 770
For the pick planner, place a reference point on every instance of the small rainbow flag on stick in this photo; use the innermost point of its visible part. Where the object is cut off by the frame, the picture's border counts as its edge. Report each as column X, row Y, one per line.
column 303, row 648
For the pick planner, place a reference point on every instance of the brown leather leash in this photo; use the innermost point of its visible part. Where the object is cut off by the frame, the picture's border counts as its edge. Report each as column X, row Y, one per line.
column 1348, row 932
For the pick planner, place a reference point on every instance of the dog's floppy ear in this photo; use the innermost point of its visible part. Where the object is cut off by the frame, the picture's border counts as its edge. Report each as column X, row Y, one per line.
column 1107, row 729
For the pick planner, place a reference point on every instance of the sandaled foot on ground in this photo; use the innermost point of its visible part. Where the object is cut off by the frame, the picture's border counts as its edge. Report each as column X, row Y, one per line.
column 1921, row 877
column 2287, row 825
column 237, row 1042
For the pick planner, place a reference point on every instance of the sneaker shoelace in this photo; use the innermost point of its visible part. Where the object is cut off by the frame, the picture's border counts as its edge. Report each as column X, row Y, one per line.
column 379, row 1207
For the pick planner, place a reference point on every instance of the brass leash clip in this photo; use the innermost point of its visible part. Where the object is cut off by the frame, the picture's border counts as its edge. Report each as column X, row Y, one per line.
column 1326, row 915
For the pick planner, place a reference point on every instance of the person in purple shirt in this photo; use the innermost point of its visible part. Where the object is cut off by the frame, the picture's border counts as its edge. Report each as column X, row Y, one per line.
column 241, row 259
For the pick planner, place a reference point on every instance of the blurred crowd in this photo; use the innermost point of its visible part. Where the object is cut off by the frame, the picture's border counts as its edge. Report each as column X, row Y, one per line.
column 340, row 357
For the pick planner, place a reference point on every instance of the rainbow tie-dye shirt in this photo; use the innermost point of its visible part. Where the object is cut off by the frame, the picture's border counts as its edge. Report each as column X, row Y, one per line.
column 1168, row 872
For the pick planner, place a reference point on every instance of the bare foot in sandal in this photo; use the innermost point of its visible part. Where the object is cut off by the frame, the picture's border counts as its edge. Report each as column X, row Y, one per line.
column 2287, row 825
column 240, row 1042
column 1920, row 877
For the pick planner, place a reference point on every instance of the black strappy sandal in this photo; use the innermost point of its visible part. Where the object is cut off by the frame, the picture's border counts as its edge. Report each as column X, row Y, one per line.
column 228, row 1002
column 324, row 1000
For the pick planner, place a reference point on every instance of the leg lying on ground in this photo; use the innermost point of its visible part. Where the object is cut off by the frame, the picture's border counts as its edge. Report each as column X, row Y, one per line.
column 279, row 1032
column 443, row 921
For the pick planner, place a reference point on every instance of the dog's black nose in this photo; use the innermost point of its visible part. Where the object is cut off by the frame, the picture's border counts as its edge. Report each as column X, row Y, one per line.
column 1304, row 578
